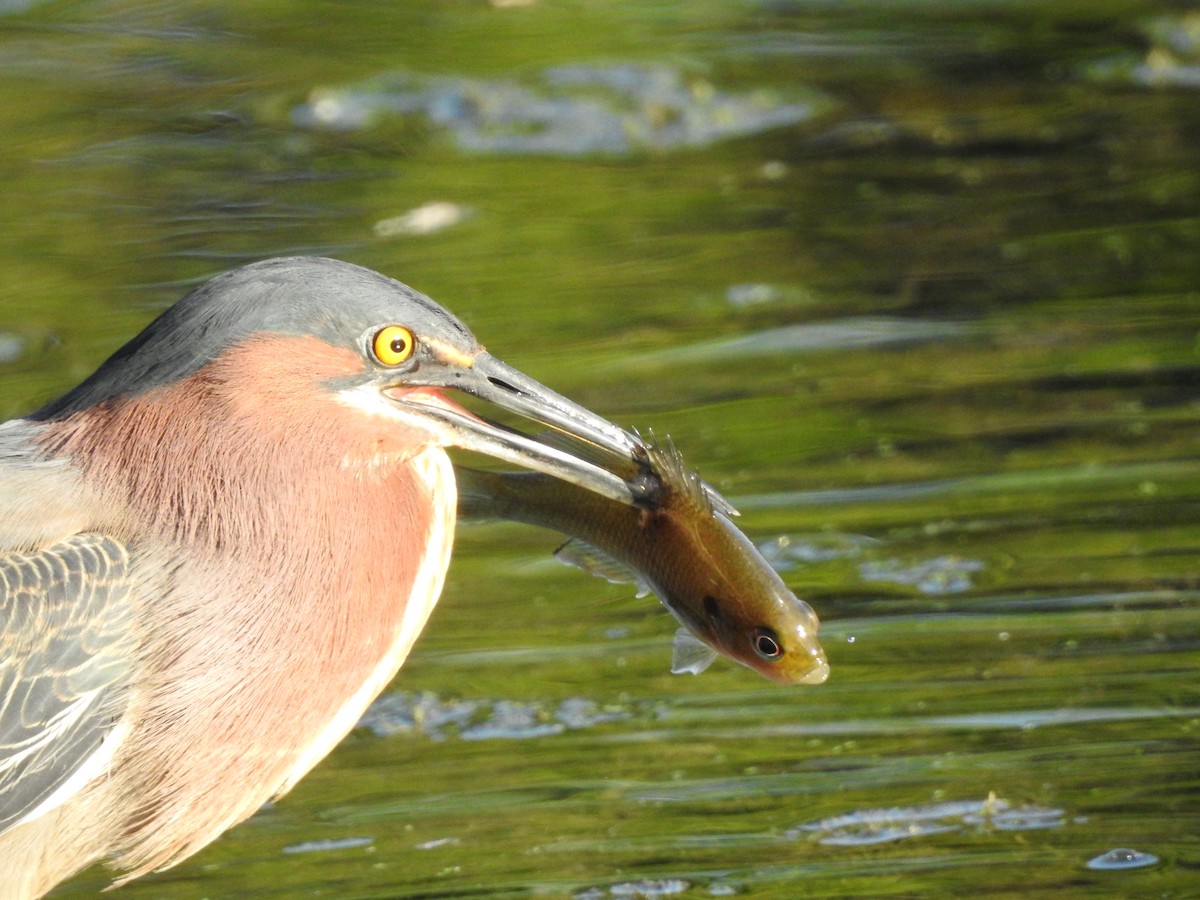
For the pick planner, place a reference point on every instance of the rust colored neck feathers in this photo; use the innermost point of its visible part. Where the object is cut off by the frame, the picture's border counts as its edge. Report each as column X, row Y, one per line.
column 225, row 459
column 293, row 528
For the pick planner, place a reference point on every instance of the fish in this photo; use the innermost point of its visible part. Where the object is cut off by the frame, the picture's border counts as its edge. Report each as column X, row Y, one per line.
column 679, row 543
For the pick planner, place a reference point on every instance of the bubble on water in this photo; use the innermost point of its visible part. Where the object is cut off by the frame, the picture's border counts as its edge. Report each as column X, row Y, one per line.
column 876, row 826
column 751, row 294
column 565, row 110
column 647, row 887
column 326, row 846
column 439, row 842
column 426, row 219
column 941, row 575
column 513, row 719
column 660, row 887
column 475, row 720
column 1122, row 858
column 11, row 347
column 790, row 551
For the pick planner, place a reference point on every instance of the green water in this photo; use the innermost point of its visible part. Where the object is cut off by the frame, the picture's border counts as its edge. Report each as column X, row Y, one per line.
column 937, row 338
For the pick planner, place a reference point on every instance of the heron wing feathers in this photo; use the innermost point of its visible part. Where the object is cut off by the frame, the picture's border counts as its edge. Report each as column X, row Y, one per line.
column 64, row 669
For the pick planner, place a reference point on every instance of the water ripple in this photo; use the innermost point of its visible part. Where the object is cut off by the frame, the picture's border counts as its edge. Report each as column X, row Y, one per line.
column 877, row 826
column 566, row 111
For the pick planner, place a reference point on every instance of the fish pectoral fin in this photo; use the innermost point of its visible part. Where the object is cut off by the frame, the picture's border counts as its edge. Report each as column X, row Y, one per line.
column 689, row 654
column 583, row 555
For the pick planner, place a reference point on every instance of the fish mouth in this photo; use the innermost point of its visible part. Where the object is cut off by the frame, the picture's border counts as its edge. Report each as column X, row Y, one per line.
column 814, row 670
column 506, row 388
column 817, row 674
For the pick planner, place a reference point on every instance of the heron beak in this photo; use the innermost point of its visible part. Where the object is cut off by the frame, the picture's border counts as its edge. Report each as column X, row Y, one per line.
column 503, row 386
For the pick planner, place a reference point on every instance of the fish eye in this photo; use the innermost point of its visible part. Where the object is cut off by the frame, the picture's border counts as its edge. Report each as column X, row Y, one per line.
column 712, row 606
column 766, row 644
column 393, row 345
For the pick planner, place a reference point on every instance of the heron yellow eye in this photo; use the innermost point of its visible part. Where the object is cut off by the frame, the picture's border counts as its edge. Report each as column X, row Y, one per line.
column 393, row 345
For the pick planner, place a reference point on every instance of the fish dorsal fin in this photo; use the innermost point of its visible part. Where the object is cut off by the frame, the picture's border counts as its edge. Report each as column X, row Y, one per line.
column 583, row 555
column 666, row 458
column 688, row 654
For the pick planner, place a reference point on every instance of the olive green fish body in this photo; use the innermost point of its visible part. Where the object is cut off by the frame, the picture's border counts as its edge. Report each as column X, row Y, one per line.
column 682, row 547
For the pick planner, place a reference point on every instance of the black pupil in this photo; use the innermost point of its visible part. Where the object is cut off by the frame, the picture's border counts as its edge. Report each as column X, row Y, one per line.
column 399, row 345
column 767, row 646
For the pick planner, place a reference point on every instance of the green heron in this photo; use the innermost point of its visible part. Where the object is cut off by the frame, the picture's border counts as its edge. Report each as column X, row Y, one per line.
column 221, row 546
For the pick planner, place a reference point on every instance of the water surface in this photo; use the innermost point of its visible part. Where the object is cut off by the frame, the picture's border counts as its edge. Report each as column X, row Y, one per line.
column 915, row 287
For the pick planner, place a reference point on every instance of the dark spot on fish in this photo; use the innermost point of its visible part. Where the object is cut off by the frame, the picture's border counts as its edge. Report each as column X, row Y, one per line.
column 712, row 607
column 648, row 490
column 766, row 644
